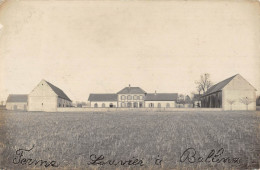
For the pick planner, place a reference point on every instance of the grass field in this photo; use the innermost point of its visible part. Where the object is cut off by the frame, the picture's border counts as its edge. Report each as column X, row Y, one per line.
column 70, row 138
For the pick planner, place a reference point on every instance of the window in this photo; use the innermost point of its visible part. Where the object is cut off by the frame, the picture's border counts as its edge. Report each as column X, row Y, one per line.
column 135, row 104
column 111, row 105
column 123, row 97
column 168, row 105
column 140, row 104
column 159, row 105
column 151, row 105
column 129, row 97
column 141, row 97
column 129, row 104
column 135, row 97
column 122, row 104
column 95, row 105
column 103, row 105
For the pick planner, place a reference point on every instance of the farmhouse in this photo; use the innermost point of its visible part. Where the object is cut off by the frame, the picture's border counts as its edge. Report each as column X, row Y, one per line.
column 133, row 97
column 47, row 97
column 234, row 93
column 16, row 102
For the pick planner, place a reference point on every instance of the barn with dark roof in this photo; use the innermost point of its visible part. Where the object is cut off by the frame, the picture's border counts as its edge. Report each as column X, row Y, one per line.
column 233, row 93
column 47, row 97
column 17, row 102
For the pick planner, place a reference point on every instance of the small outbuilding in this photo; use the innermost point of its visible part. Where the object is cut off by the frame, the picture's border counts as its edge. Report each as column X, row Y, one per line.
column 17, row 102
column 234, row 93
column 103, row 100
column 161, row 100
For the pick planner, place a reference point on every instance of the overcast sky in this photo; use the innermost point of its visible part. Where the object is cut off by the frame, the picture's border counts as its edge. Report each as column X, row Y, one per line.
column 102, row 46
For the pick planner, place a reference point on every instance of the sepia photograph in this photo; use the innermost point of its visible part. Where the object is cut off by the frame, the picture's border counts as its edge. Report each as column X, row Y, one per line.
column 147, row 85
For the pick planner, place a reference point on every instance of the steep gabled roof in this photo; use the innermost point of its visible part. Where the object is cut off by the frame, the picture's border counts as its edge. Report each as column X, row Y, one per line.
column 161, row 97
column 17, row 98
column 131, row 90
column 219, row 86
column 102, row 97
column 58, row 91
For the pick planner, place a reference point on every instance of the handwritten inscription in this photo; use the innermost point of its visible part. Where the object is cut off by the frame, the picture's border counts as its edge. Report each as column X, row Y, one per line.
column 100, row 160
column 20, row 159
column 191, row 155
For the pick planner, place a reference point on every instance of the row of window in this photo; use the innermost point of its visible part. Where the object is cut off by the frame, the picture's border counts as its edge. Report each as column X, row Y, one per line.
column 159, row 105
column 63, row 105
column 135, row 105
column 129, row 104
column 103, row 105
column 129, row 97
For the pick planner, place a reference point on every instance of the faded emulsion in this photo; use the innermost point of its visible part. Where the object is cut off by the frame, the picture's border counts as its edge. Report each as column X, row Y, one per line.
column 20, row 159
column 191, row 155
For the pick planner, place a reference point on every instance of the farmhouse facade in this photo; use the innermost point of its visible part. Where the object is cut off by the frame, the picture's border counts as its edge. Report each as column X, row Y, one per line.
column 47, row 97
column 17, row 102
column 234, row 93
column 133, row 97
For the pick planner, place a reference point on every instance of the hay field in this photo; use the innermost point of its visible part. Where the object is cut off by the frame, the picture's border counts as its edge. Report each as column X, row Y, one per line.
column 70, row 139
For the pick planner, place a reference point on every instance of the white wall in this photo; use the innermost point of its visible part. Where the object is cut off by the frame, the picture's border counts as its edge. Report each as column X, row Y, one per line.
column 163, row 103
column 148, row 110
column 19, row 106
column 99, row 103
column 235, row 90
column 42, row 103
column 42, row 98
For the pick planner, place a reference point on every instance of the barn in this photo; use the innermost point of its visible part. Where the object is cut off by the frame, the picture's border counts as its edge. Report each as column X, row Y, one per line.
column 17, row 102
column 47, row 97
column 234, row 93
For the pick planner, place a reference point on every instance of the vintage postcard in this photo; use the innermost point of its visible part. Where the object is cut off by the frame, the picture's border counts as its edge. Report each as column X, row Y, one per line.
column 111, row 84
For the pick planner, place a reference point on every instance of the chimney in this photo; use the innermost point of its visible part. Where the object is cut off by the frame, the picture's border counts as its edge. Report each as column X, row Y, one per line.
column 129, row 86
column 155, row 92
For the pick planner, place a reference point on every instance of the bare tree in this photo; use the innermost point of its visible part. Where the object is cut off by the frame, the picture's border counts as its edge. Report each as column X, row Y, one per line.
column 246, row 101
column 204, row 83
column 231, row 102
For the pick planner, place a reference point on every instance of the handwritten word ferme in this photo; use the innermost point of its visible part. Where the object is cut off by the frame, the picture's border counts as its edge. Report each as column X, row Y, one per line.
column 20, row 159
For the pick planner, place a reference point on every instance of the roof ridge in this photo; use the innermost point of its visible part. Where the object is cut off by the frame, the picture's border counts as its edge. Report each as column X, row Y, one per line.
column 222, row 84
column 52, row 85
column 61, row 94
